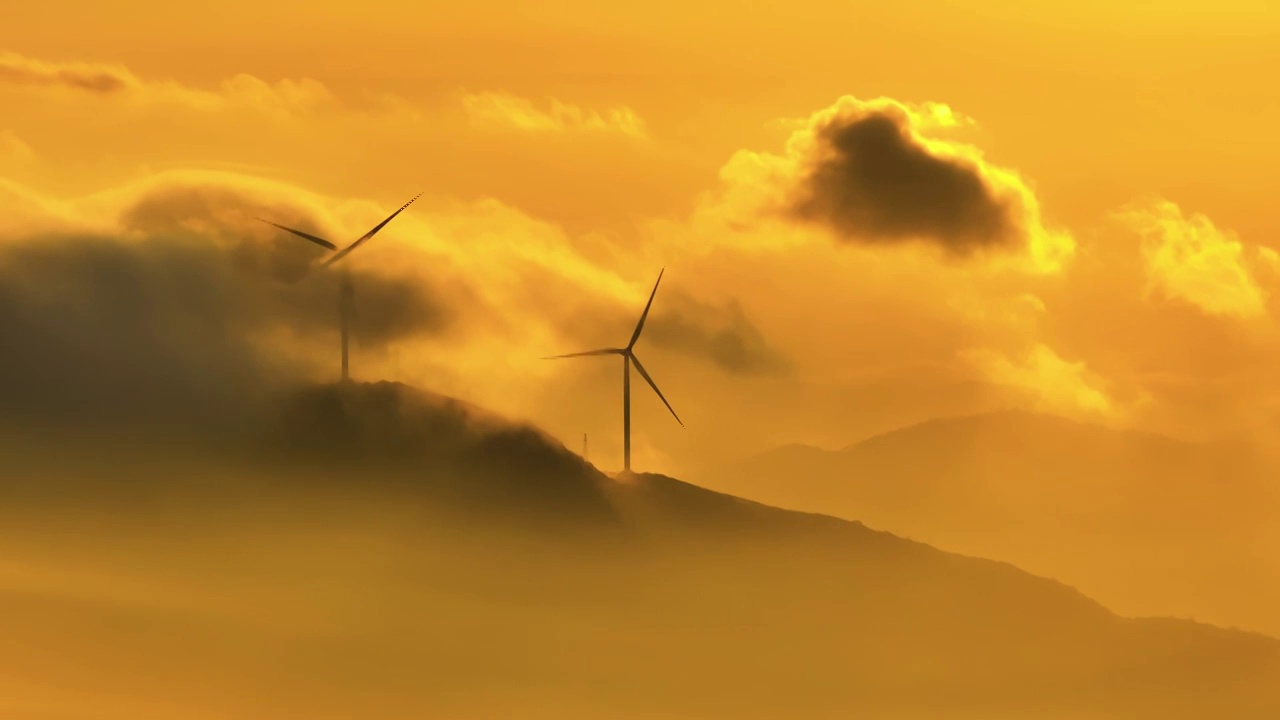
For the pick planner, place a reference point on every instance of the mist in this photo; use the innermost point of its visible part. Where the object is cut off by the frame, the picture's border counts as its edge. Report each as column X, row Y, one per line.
column 443, row 561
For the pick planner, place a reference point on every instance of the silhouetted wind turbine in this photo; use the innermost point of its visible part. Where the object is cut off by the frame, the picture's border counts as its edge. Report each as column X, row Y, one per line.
column 347, row 294
column 628, row 359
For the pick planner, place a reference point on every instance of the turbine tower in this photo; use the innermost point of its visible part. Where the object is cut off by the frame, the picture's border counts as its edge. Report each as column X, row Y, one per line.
column 628, row 359
column 347, row 292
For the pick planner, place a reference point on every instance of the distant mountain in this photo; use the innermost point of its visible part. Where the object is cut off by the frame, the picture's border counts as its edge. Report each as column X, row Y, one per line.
column 1148, row 524
column 388, row 553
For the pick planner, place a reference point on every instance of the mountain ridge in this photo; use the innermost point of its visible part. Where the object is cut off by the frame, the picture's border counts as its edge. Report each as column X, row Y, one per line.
column 1076, row 501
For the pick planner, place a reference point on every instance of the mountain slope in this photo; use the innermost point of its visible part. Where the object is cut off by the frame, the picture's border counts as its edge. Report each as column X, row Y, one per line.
column 1147, row 524
column 387, row 553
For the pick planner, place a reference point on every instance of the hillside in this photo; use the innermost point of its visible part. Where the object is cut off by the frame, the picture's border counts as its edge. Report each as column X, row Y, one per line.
column 1147, row 524
column 382, row 552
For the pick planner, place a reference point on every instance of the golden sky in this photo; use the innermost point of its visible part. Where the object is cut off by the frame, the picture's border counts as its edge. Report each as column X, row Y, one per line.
column 1094, row 235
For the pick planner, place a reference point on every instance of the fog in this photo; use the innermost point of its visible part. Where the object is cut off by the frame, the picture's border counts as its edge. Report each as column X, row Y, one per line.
column 154, row 580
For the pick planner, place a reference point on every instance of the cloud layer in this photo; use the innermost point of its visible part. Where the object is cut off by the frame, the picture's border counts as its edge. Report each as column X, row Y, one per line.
column 89, row 77
column 116, row 81
column 166, row 301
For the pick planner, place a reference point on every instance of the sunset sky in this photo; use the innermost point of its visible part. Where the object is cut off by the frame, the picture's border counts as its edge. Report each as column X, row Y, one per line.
column 1084, row 221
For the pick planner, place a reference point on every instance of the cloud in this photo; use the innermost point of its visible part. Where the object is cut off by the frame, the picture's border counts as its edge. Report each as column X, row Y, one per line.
column 175, row 308
column 285, row 95
column 105, row 333
column 88, row 77
column 879, row 185
column 23, row 212
column 722, row 334
column 719, row 333
column 1055, row 384
column 869, row 172
column 1021, row 312
column 500, row 110
column 1189, row 259
column 117, row 81
column 392, row 302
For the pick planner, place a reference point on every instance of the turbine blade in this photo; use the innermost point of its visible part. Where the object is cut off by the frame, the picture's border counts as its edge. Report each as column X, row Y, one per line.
column 308, row 236
column 640, row 325
column 602, row 351
column 363, row 238
column 636, row 361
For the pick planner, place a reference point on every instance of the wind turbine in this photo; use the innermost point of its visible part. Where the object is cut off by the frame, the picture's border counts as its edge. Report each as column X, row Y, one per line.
column 628, row 359
column 347, row 293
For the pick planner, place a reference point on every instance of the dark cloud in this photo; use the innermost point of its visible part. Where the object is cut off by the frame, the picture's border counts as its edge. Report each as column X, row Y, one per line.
column 95, row 78
column 872, row 181
column 102, row 333
column 227, row 216
column 180, row 320
column 387, row 307
column 722, row 334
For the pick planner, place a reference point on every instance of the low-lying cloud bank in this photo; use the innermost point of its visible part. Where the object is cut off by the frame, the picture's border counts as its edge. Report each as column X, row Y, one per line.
column 168, row 302
column 174, row 307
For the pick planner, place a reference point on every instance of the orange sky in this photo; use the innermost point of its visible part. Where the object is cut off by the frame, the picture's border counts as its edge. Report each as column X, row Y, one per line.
column 569, row 152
